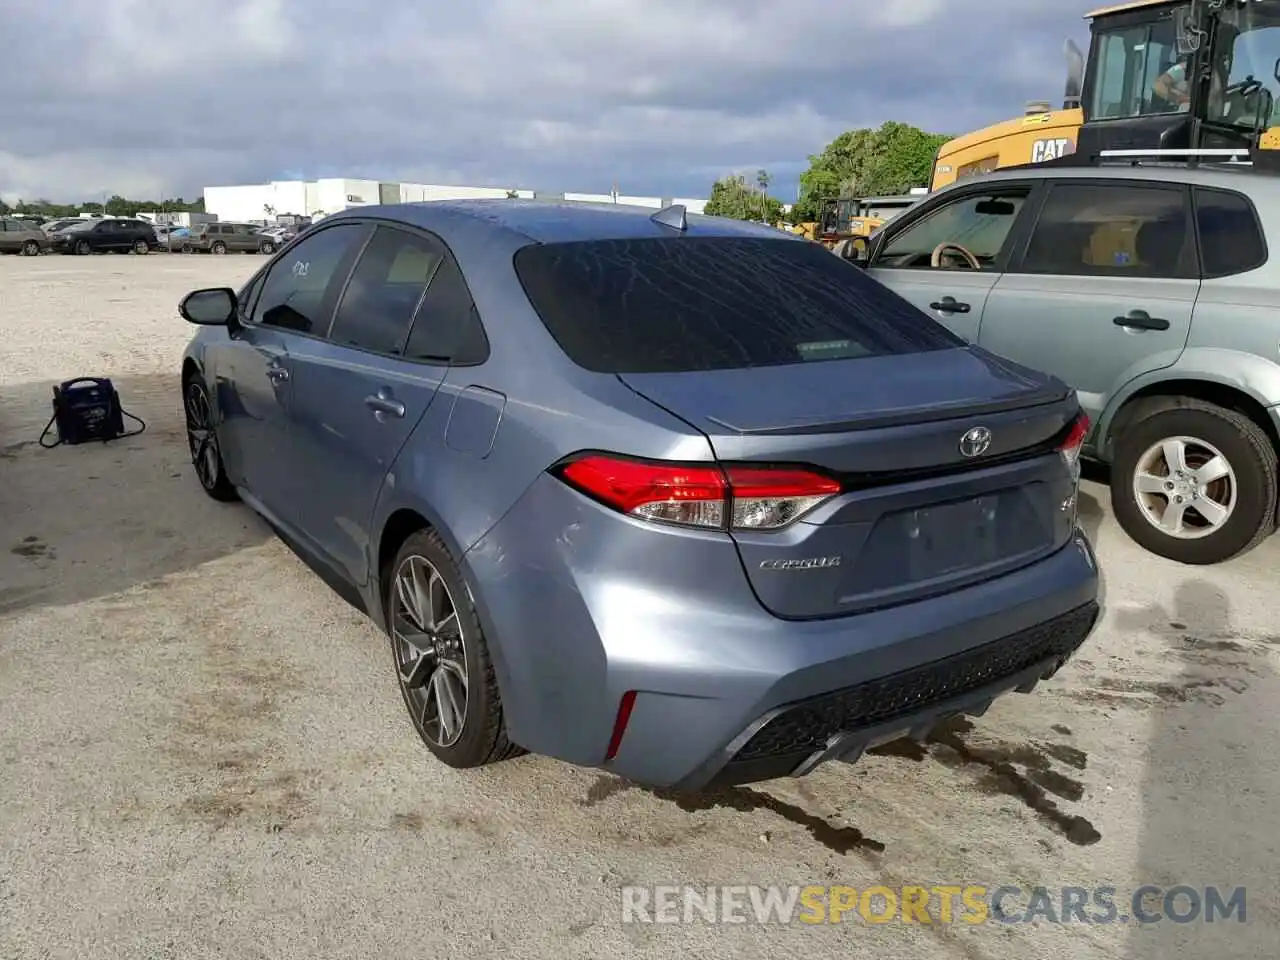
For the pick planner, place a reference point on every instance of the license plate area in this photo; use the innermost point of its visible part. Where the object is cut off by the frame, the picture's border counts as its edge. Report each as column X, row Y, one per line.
column 951, row 537
column 945, row 542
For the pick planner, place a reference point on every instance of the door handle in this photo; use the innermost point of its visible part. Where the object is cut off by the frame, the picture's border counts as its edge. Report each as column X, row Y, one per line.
column 277, row 374
column 1141, row 320
column 949, row 305
column 384, row 405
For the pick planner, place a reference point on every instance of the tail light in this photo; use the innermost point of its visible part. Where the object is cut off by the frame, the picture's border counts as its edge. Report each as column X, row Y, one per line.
column 706, row 497
column 1074, row 440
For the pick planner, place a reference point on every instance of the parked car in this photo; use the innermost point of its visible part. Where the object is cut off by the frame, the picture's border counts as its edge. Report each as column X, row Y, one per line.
column 53, row 226
column 1151, row 290
column 229, row 238
column 21, row 237
column 106, row 235
column 685, row 498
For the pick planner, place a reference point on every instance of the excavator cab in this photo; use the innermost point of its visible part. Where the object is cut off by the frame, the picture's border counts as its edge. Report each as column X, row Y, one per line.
column 1159, row 75
column 1203, row 74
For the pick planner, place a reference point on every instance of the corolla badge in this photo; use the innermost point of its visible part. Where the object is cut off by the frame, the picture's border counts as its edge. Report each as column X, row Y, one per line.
column 975, row 442
column 808, row 563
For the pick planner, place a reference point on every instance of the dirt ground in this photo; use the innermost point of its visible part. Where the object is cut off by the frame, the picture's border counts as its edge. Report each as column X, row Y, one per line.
column 204, row 753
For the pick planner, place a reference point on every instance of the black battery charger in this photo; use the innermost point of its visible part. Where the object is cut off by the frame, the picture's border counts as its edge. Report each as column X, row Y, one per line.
column 86, row 409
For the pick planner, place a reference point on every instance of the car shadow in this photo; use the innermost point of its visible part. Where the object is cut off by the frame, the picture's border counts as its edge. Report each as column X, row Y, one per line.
column 1208, row 783
column 77, row 522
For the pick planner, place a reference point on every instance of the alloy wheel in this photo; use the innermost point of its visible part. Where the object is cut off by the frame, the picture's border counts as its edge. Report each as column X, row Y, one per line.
column 430, row 650
column 1185, row 487
column 201, row 439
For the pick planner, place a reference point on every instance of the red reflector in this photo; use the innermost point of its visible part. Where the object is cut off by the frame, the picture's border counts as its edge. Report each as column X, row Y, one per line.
column 625, row 707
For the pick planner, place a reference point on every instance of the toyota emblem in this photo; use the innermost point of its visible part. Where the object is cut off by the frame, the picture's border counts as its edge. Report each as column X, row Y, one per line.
column 975, row 442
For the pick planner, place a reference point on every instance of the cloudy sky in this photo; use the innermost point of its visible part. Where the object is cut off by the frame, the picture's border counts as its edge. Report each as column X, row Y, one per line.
column 144, row 97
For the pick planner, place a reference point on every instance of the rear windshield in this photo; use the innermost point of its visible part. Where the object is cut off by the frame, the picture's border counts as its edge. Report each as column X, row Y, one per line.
column 715, row 303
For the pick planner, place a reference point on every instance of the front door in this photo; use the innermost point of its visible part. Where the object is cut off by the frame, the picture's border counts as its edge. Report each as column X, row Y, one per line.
column 361, row 392
column 1104, row 290
column 946, row 257
column 255, row 368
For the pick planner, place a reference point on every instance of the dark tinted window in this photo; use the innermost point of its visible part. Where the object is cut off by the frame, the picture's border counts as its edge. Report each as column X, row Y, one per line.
column 1115, row 229
column 447, row 325
column 386, row 285
column 1230, row 239
column 714, row 303
column 295, row 293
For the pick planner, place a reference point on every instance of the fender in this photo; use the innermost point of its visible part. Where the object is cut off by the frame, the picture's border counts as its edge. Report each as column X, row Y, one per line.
column 392, row 498
column 1251, row 375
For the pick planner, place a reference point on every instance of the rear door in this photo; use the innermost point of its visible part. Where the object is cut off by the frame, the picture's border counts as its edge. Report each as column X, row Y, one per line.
column 360, row 392
column 11, row 236
column 1103, row 289
column 983, row 220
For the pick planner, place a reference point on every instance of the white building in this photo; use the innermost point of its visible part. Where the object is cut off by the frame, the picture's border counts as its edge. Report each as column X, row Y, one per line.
column 315, row 198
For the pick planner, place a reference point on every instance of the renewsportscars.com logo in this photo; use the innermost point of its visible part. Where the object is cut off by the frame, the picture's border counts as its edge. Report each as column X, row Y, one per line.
column 942, row 904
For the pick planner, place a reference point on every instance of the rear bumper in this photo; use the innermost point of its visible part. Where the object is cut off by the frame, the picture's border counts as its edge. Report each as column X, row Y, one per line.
column 578, row 615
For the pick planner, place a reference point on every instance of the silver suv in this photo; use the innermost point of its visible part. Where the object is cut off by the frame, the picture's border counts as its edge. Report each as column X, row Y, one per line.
column 1150, row 289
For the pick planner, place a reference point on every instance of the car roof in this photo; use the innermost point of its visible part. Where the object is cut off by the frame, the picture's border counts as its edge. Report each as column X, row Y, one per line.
column 1258, row 184
column 552, row 221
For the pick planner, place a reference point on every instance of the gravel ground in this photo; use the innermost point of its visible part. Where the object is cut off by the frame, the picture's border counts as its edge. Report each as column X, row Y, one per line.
column 205, row 754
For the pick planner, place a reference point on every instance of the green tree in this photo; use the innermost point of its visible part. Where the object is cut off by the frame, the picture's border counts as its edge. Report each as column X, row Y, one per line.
column 865, row 162
column 731, row 197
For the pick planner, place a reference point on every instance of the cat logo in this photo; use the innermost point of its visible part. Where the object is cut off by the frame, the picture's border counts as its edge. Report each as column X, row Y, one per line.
column 1043, row 150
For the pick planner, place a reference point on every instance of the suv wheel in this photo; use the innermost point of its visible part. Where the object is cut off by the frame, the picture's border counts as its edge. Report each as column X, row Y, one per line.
column 140, row 247
column 267, row 247
column 83, row 248
column 441, row 658
column 1196, row 484
column 30, row 249
column 218, row 247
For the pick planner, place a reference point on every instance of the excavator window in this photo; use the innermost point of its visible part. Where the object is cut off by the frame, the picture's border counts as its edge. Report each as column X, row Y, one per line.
column 1131, row 64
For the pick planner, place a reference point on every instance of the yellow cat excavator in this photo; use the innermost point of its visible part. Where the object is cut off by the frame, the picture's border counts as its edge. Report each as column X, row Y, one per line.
column 1159, row 74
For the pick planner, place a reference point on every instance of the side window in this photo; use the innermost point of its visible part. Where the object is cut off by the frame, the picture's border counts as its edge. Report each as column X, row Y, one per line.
column 980, row 223
column 294, row 294
column 1111, row 230
column 1230, row 238
column 9, row 225
column 383, row 293
column 447, row 325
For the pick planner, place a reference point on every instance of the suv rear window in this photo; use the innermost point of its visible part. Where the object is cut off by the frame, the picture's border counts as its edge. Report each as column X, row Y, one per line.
column 715, row 303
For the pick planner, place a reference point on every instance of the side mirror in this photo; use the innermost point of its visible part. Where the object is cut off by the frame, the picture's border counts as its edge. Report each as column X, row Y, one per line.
column 215, row 307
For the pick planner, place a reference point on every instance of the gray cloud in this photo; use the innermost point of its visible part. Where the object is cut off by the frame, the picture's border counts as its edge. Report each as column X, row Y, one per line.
column 661, row 96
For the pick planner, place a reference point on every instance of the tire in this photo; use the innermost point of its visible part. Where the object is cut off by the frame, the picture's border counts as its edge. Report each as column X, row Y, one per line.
column 185, row 248
column 1248, row 490
column 481, row 736
column 202, row 441
column 267, row 248
column 30, row 249
column 140, row 247
column 83, row 249
column 218, row 247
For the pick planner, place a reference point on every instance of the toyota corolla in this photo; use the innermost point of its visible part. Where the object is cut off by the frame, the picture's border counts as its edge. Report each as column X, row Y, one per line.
column 683, row 498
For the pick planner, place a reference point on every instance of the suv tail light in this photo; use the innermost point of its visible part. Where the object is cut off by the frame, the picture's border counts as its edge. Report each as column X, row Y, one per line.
column 706, row 497
column 1074, row 440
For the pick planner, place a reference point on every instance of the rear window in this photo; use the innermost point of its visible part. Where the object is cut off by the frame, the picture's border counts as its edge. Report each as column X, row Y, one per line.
column 715, row 303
